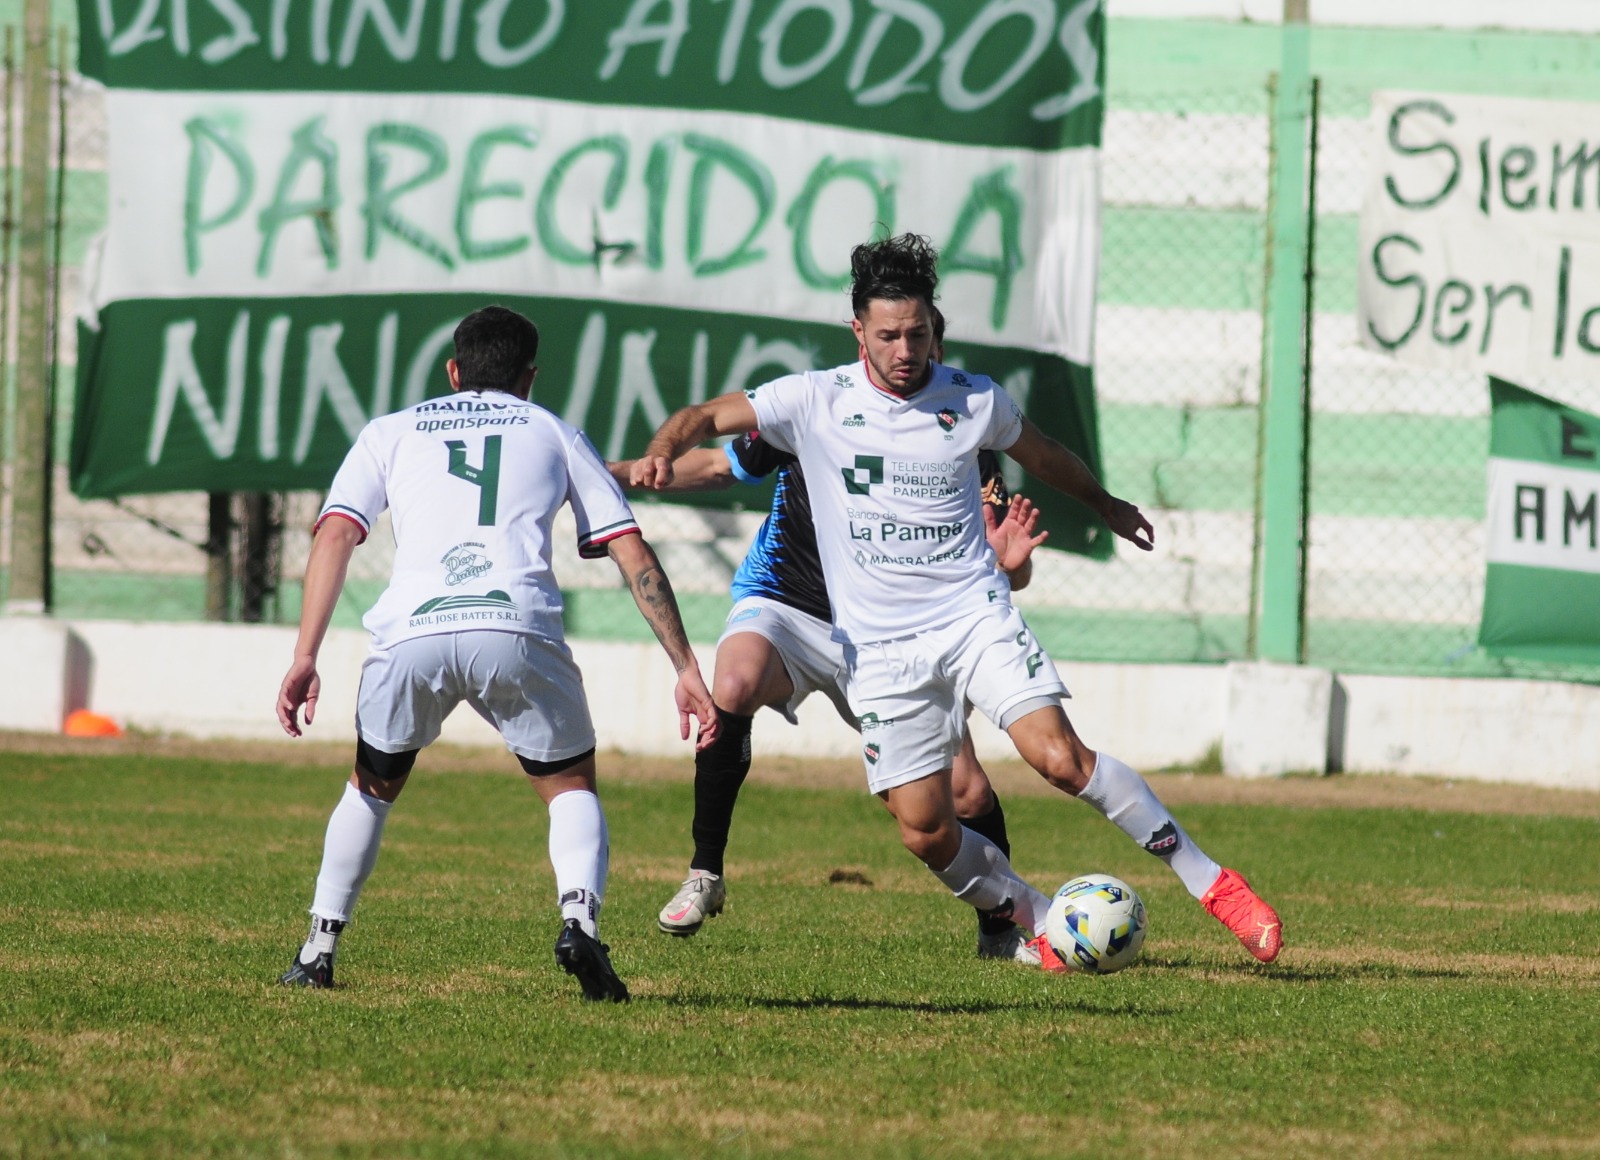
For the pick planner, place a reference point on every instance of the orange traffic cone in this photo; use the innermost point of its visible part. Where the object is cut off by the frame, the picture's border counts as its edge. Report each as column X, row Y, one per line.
column 82, row 723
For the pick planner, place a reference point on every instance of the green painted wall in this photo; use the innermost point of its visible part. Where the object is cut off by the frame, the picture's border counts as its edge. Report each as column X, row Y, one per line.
column 1198, row 260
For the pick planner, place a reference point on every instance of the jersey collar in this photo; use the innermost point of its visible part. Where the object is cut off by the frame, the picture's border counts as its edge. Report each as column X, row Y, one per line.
column 866, row 371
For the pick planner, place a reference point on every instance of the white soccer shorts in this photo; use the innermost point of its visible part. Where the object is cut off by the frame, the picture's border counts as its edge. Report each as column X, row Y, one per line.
column 810, row 655
column 911, row 694
column 527, row 687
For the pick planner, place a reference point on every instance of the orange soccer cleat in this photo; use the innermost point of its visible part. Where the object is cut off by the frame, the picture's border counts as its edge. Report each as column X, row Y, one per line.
column 1232, row 903
column 1048, row 959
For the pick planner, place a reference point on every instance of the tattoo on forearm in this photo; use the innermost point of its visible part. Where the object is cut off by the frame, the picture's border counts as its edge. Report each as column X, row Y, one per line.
column 652, row 592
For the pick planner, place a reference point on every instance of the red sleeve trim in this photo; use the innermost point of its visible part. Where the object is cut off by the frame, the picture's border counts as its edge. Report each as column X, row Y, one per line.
column 595, row 548
column 326, row 516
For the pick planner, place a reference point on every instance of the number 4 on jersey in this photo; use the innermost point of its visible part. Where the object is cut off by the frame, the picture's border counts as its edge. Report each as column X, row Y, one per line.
column 486, row 477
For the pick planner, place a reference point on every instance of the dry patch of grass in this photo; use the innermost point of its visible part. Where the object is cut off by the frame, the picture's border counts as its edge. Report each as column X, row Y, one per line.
column 1572, row 968
column 140, row 859
column 1345, row 791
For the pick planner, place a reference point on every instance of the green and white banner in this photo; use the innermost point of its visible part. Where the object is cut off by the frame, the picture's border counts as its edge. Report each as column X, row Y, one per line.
column 1480, row 236
column 1542, row 592
column 305, row 197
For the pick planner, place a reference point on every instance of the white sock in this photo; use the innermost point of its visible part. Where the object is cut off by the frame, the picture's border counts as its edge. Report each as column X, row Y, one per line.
column 1118, row 792
column 323, row 939
column 981, row 876
column 349, row 852
column 580, row 855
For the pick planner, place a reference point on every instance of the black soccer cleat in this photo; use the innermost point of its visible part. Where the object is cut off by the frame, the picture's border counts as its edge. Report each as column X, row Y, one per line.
column 587, row 959
column 317, row 973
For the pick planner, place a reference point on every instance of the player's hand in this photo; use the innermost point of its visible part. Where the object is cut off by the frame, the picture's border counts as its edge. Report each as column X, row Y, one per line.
column 1128, row 522
column 652, row 471
column 694, row 700
column 301, row 686
column 1012, row 538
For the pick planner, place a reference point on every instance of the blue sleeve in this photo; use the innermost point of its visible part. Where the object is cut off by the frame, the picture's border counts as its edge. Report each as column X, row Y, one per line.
column 753, row 459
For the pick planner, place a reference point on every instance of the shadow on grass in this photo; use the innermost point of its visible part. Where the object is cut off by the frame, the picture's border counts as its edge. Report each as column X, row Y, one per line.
column 1318, row 973
column 1055, row 1001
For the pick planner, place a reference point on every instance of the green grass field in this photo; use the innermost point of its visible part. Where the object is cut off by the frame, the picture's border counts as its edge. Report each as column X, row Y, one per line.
column 1438, row 997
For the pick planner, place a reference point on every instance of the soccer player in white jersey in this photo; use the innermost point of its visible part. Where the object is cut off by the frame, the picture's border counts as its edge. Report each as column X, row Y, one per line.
column 777, row 649
column 473, row 613
column 889, row 446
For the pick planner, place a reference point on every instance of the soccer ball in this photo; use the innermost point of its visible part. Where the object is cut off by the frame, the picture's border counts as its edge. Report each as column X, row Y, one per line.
column 1096, row 923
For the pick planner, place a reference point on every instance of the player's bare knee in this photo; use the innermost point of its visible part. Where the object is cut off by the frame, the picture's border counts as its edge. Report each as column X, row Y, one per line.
column 973, row 798
column 737, row 692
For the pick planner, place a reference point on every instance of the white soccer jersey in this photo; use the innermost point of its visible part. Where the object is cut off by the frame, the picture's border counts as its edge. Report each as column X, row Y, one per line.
column 895, row 492
column 474, row 482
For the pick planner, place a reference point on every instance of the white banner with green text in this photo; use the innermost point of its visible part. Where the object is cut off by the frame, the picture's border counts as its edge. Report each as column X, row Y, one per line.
column 305, row 198
column 1480, row 234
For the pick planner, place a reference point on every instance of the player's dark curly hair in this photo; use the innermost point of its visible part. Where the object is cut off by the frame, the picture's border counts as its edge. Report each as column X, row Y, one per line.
column 493, row 347
column 894, row 269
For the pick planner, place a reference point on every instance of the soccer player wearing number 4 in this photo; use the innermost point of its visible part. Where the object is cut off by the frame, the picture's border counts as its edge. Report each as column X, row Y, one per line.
column 889, row 446
column 472, row 613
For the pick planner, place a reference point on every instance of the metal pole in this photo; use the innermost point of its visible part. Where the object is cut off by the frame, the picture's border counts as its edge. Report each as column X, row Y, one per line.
column 219, row 553
column 53, row 317
column 256, row 585
column 1306, row 363
column 30, row 503
column 8, row 93
column 1252, row 635
column 1283, row 501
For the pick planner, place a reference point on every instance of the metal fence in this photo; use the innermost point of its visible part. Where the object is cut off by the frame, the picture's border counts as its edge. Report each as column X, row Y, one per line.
column 1394, row 558
column 1397, row 460
column 1178, row 384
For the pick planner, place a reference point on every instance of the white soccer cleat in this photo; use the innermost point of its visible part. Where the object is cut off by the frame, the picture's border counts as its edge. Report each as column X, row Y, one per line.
column 700, row 897
column 1013, row 945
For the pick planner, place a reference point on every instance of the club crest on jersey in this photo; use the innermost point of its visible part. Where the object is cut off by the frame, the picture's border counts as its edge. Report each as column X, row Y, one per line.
column 871, row 752
column 854, row 421
column 948, row 420
column 464, row 562
column 858, row 480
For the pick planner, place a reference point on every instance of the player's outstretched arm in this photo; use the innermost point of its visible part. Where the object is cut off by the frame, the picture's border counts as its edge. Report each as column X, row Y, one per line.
column 331, row 548
column 727, row 414
column 703, row 469
column 1013, row 539
column 1045, row 459
column 652, row 592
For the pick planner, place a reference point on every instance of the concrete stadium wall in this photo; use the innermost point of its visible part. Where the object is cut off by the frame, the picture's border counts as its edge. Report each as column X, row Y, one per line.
column 214, row 681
